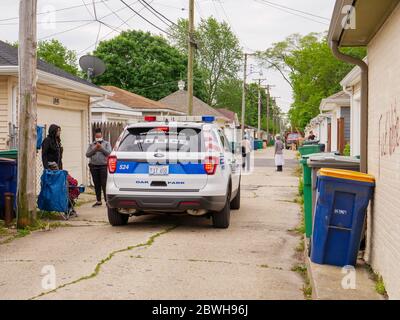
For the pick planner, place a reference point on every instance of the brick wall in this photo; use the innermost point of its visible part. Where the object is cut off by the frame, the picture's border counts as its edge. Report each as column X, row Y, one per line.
column 384, row 152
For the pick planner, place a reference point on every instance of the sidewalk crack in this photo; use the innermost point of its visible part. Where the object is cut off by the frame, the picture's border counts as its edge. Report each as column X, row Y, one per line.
column 97, row 269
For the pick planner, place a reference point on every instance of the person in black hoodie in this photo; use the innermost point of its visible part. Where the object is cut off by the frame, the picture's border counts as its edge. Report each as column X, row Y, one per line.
column 52, row 149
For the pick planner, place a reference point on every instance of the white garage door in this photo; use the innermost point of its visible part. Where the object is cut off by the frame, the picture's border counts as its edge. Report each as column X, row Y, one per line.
column 71, row 137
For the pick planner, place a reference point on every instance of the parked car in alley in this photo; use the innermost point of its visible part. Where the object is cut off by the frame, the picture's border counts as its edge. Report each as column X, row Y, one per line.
column 293, row 139
column 173, row 167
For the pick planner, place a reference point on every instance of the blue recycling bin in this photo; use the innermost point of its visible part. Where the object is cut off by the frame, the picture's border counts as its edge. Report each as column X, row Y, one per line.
column 343, row 198
column 8, row 180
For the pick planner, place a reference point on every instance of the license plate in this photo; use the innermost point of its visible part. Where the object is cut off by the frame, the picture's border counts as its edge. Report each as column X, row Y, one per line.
column 158, row 170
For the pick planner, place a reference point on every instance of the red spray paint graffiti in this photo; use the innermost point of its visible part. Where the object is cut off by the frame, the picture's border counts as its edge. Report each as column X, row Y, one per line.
column 389, row 131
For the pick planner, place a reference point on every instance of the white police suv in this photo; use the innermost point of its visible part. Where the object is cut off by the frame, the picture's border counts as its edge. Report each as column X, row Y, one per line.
column 168, row 165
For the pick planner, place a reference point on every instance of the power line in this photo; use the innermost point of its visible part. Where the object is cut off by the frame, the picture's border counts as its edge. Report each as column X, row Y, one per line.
column 105, row 36
column 87, row 8
column 114, row 13
column 47, row 12
column 154, row 13
column 68, row 30
column 158, row 12
column 86, row 24
column 45, row 22
column 296, row 10
column 145, row 19
column 290, row 12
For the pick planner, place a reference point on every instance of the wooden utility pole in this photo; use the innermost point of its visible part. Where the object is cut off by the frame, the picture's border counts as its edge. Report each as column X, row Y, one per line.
column 268, row 102
column 259, row 107
column 26, row 203
column 244, row 92
column 192, row 48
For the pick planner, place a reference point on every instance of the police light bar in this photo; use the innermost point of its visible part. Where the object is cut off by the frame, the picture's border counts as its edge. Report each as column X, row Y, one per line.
column 206, row 119
column 150, row 118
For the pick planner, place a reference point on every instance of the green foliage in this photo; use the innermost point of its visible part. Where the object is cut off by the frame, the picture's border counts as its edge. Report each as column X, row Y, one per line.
column 145, row 64
column 380, row 286
column 347, row 150
column 229, row 95
column 54, row 52
column 301, row 187
column 218, row 56
column 310, row 68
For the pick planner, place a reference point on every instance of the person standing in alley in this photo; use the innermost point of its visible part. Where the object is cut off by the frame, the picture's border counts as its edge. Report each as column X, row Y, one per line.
column 279, row 159
column 52, row 150
column 98, row 153
column 311, row 136
column 246, row 153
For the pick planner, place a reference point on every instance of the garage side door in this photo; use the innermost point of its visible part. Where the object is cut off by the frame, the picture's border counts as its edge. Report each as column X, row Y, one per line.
column 71, row 137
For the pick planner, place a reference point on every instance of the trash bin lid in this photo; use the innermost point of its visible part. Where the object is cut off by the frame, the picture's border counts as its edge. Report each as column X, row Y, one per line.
column 319, row 160
column 319, row 155
column 347, row 175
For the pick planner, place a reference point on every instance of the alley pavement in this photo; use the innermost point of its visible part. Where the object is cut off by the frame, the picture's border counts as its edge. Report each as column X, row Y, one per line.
column 169, row 256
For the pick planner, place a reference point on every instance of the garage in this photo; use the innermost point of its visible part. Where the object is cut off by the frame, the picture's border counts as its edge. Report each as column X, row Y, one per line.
column 71, row 123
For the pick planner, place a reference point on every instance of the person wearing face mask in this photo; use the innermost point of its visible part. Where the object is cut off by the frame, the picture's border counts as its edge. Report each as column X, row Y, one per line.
column 98, row 153
column 52, row 150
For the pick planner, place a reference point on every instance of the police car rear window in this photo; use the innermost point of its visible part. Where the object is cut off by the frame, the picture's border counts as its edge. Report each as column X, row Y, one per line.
column 162, row 139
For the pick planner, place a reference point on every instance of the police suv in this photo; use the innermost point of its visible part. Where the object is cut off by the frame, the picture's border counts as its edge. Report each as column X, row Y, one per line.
column 172, row 165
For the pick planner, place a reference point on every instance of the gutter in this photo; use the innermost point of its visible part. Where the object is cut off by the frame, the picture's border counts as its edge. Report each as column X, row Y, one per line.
column 364, row 101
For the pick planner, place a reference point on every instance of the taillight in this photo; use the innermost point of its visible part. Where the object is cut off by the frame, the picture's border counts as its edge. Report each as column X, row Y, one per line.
column 210, row 165
column 112, row 164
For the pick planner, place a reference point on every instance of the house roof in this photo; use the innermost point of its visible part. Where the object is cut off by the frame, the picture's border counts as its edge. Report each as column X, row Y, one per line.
column 179, row 100
column 9, row 61
column 232, row 116
column 369, row 18
column 108, row 105
column 138, row 102
column 341, row 99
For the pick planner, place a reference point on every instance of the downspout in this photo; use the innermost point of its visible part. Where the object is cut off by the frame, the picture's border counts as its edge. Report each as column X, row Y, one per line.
column 364, row 101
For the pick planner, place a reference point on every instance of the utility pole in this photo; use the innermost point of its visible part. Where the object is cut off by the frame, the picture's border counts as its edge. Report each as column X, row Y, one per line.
column 191, row 57
column 268, row 92
column 244, row 92
column 26, row 203
column 259, row 107
column 268, row 102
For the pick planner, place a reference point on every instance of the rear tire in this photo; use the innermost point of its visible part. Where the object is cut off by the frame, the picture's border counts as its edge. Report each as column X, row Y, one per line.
column 221, row 219
column 235, row 203
column 117, row 219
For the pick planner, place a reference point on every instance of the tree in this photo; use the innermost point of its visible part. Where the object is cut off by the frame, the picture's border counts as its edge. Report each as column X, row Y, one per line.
column 54, row 52
column 219, row 54
column 145, row 64
column 229, row 96
column 312, row 71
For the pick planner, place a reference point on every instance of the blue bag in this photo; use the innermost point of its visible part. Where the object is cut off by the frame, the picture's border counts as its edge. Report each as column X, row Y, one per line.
column 40, row 137
column 54, row 191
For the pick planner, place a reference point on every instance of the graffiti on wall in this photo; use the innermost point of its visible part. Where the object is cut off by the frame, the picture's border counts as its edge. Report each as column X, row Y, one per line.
column 389, row 131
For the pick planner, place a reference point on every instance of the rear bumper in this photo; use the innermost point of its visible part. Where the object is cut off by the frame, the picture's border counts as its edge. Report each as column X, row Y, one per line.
column 166, row 203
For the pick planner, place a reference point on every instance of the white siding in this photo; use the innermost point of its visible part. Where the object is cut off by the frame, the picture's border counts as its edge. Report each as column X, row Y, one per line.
column 3, row 113
column 355, row 124
column 384, row 152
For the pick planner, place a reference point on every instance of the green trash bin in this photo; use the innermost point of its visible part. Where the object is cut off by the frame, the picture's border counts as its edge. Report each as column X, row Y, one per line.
column 309, row 149
column 9, row 154
column 307, row 187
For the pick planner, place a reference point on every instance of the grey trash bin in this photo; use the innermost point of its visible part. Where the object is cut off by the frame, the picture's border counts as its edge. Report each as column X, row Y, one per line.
column 332, row 161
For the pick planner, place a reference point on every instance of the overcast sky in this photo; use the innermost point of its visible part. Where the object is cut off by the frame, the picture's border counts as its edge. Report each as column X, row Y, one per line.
column 258, row 24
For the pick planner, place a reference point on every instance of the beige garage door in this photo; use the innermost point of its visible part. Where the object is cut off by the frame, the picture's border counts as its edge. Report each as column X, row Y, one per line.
column 71, row 137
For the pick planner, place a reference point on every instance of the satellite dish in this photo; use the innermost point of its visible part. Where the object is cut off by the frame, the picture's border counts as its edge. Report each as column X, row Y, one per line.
column 92, row 65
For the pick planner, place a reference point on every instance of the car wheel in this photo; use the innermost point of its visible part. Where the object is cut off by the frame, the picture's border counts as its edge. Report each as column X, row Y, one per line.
column 235, row 203
column 115, row 218
column 222, row 218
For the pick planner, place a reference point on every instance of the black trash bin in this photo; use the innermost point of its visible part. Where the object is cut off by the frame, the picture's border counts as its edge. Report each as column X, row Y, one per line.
column 8, row 180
